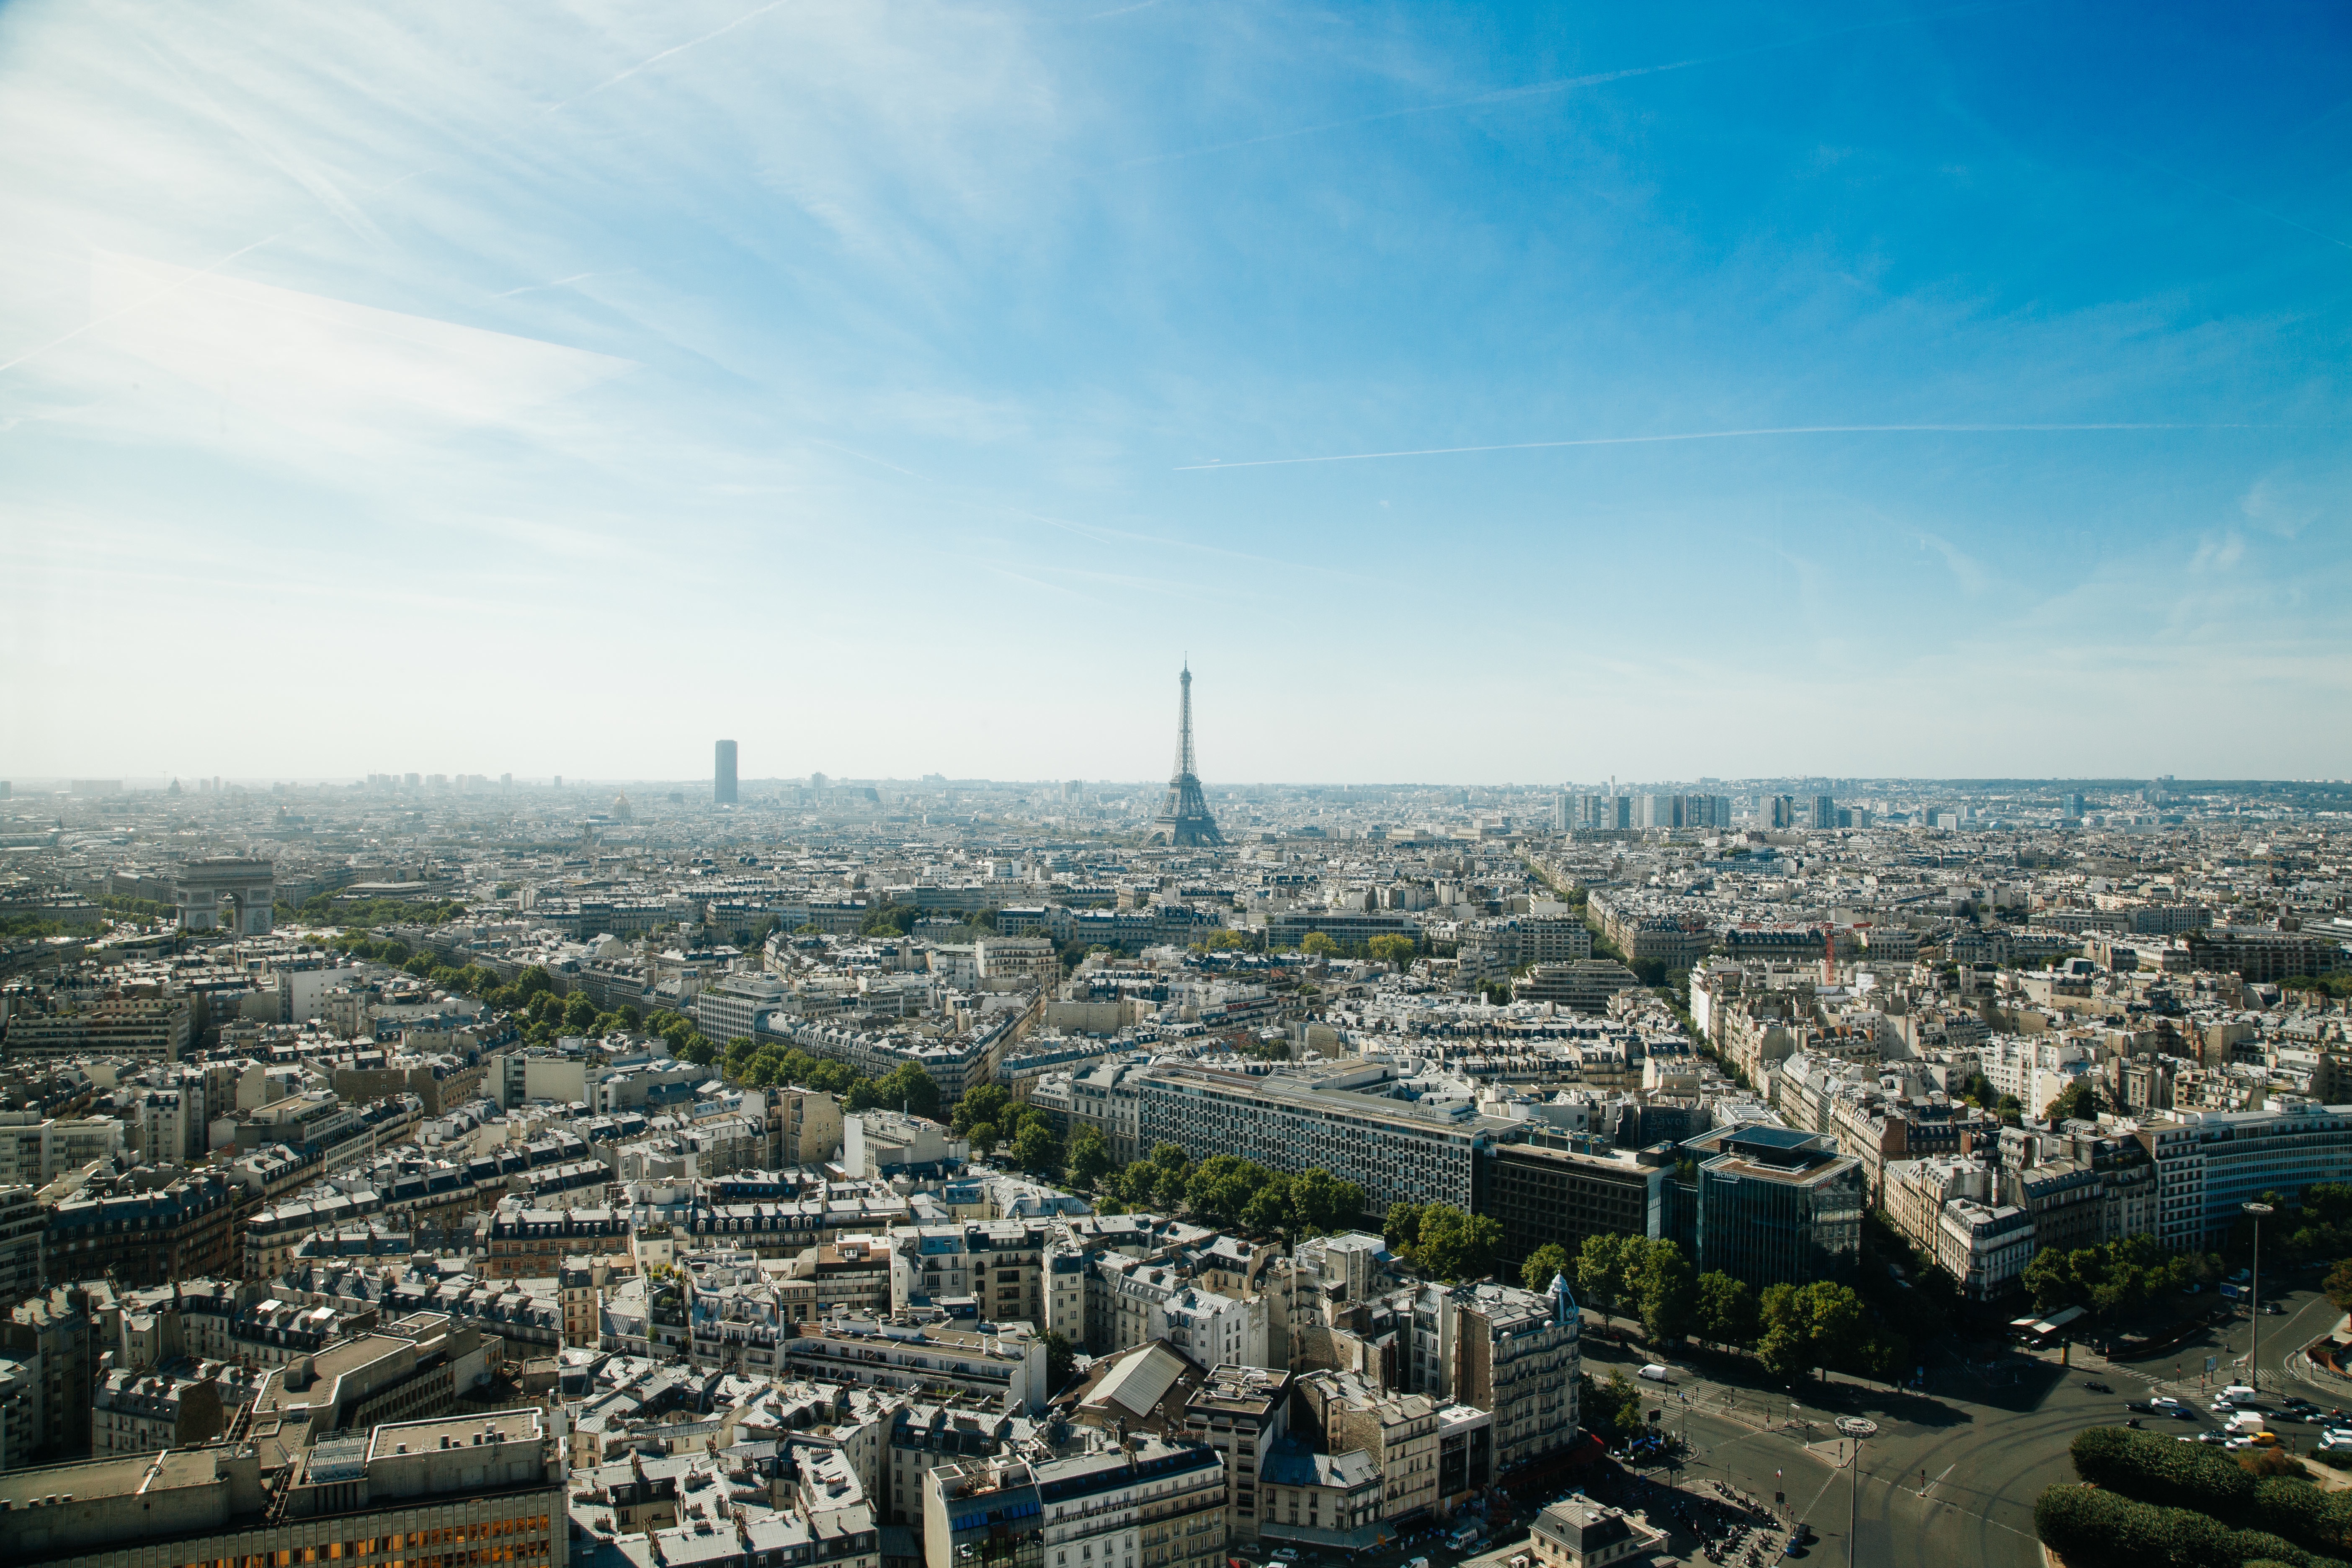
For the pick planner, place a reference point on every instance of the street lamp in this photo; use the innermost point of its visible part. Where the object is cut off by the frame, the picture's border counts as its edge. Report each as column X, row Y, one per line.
column 1852, row 1489
column 2254, row 1353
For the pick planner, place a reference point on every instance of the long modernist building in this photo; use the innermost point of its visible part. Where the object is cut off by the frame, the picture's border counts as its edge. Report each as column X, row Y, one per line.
column 1398, row 1151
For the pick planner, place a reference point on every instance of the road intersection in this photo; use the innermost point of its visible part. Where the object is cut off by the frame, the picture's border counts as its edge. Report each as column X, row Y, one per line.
column 1948, row 1477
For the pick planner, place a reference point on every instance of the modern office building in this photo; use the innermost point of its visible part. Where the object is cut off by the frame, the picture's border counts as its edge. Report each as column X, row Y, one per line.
column 1562, row 1187
column 1396, row 1150
column 416, row 1491
column 722, row 778
column 1776, row 1205
column 1582, row 985
column 2210, row 1163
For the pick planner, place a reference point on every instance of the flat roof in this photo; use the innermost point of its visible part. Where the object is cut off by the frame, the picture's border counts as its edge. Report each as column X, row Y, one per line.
column 84, row 1479
column 424, row 1437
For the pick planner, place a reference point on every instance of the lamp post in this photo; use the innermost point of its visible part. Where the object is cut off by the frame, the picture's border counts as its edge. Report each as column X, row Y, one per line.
column 2258, row 1212
column 1853, row 1491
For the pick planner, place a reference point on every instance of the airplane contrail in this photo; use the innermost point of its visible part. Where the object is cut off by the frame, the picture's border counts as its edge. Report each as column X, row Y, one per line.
column 1694, row 435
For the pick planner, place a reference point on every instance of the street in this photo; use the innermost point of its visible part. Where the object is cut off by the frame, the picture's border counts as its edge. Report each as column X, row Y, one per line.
column 1949, row 1478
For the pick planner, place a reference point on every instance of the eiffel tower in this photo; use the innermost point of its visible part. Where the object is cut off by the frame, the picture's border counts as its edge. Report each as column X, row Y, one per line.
column 1184, row 818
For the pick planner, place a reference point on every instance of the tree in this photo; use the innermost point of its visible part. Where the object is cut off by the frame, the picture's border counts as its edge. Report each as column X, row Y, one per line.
column 579, row 1013
column 983, row 1136
column 1666, row 1293
column 1061, row 1361
column 1037, row 1149
column 1316, row 944
column 2079, row 1101
column 1542, row 1264
column 1168, row 1191
column 1601, row 1271
column 1803, row 1330
column 1726, row 1308
column 1089, row 1156
column 1402, row 1226
column 1615, row 1404
column 907, row 1086
column 2339, row 1286
column 1452, row 1245
column 1393, row 949
column 981, row 1102
column 1321, row 1201
column 1782, row 1343
column 700, row 1049
column 1271, row 1211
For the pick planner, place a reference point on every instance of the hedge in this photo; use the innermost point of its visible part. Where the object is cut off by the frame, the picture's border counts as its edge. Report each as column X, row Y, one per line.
column 2162, row 1471
column 2091, row 1527
column 2169, row 1473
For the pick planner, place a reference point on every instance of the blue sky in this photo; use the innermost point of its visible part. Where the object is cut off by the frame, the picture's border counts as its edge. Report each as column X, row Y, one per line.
column 489, row 389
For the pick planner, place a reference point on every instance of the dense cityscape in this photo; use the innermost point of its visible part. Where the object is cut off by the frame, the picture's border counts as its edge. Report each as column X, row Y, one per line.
column 1175, row 783
column 883, row 1172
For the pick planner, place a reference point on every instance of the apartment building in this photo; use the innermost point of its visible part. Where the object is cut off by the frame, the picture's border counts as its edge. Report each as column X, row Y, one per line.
column 1034, row 959
column 1108, row 1098
column 1146, row 1504
column 35, row 1150
column 998, row 1264
column 1517, row 1356
column 148, row 1235
column 23, row 1229
column 1241, row 1412
column 1345, row 1413
column 145, row 1029
column 1006, row 1368
column 171, row 1407
column 807, row 1125
column 532, row 1242
column 925, row 1435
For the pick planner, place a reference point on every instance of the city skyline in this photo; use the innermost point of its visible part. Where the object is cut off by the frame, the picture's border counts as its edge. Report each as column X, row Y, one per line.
column 1952, row 390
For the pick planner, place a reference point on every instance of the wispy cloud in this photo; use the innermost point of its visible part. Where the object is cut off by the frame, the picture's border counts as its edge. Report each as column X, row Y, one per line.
column 1504, row 95
column 1701, row 436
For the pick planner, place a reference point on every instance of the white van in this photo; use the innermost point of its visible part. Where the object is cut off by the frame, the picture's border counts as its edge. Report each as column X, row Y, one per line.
column 2238, row 1393
column 1657, row 1373
column 2245, row 1424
